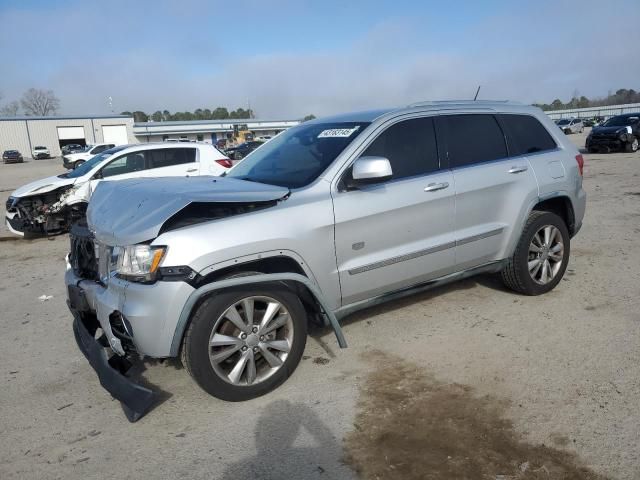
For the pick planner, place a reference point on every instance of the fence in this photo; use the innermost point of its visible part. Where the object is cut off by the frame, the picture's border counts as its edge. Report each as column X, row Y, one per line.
column 603, row 111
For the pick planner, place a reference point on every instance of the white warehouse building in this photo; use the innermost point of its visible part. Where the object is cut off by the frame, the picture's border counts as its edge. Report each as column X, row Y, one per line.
column 209, row 131
column 25, row 133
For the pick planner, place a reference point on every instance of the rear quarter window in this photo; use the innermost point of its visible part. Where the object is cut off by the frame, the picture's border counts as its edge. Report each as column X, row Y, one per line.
column 167, row 157
column 525, row 135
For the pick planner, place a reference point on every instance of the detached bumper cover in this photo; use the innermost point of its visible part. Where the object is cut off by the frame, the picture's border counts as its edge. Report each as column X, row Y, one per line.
column 136, row 400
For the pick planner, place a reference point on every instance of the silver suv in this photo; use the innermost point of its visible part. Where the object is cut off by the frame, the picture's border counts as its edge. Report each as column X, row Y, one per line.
column 327, row 218
column 571, row 125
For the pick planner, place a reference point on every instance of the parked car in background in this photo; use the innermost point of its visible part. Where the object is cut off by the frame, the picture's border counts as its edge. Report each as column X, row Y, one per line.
column 12, row 156
column 74, row 160
column 329, row 217
column 51, row 205
column 620, row 133
column 72, row 148
column 570, row 125
column 40, row 152
column 242, row 150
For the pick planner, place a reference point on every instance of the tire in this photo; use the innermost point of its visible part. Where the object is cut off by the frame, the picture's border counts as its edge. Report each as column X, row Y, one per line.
column 567, row 131
column 210, row 318
column 631, row 146
column 77, row 164
column 517, row 276
column 592, row 150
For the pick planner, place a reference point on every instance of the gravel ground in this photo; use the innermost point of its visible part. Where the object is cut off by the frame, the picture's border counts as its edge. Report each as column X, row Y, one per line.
column 563, row 368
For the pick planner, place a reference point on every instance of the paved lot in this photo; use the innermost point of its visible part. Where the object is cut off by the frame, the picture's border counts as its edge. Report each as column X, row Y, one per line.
column 562, row 370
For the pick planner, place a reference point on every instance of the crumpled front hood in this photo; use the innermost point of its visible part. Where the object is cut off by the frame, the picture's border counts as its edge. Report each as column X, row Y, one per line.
column 42, row 186
column 127, row 212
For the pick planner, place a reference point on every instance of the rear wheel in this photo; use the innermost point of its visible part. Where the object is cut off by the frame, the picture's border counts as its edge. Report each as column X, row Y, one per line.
column 541, row 256
column 244, row 342
column 632, row 146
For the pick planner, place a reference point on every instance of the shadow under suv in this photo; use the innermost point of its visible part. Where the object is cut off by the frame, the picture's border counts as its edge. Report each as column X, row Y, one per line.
column 329, row 217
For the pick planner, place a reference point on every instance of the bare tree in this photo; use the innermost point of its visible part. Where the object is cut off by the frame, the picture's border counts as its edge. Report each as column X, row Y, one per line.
column 39, row 102
column 10, row 109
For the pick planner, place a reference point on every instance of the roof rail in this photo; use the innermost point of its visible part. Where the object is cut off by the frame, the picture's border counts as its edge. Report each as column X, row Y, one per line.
column 427, row 103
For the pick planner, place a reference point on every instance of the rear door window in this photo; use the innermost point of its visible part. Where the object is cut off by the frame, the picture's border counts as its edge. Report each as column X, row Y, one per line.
column 168, row 157
column 525, row 134
column 409, row 145
column 133, row 162
column 472, row 138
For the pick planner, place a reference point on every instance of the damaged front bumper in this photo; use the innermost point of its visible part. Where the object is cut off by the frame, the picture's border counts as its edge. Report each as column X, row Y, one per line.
column 128, row 329
column 135, row 399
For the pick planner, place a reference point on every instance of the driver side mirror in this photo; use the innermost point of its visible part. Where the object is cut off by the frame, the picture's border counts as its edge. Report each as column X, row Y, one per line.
column 369, row 170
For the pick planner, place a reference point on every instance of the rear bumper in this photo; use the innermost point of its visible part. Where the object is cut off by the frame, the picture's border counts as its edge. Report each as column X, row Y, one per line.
column 136, row 400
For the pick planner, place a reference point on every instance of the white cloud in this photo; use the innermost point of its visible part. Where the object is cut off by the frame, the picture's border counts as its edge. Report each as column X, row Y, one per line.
column 532, row 55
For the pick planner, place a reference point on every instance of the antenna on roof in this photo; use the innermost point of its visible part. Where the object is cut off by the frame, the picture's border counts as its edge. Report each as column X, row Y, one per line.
column 477, row 92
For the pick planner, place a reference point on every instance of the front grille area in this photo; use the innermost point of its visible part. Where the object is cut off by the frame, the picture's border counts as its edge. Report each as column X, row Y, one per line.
column 82, row 256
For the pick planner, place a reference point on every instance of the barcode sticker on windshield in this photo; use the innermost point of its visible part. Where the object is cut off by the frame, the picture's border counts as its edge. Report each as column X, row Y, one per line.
column 338, row 132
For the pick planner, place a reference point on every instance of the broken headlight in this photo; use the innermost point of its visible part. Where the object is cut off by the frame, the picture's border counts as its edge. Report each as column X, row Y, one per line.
column 136, row 263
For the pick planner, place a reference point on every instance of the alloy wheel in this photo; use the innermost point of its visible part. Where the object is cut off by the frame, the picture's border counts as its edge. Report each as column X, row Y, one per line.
column 546, row 252
column 251, row 340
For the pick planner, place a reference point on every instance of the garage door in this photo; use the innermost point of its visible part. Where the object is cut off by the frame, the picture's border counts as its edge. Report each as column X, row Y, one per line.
column 116, row 134
column 71, row 133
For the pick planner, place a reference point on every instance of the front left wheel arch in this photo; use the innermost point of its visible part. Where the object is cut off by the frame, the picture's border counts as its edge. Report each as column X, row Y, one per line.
column 301, row 285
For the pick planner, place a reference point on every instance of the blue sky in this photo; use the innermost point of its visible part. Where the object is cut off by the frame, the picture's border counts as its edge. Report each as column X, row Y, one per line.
column 290, row 58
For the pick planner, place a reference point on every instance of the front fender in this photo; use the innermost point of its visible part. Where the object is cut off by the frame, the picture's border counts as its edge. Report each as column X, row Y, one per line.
column 197, row 294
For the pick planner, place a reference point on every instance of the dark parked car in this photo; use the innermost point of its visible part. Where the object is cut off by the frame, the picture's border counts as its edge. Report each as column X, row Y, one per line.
column 72, row 148
column 12, row 156
column 620, row 133
column 242, row 150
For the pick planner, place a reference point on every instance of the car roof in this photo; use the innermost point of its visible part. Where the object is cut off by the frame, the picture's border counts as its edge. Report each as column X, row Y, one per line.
column 157, row 145
column 448, row 105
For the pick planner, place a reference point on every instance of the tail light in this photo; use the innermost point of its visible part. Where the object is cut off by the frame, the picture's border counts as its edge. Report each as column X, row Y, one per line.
column 226, row 163
column 580, row 161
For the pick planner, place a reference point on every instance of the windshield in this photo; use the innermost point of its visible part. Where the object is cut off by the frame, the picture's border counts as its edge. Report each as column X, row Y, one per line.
column 90, row 164
column 297, row 157
column 620, row 121
column 563, row 122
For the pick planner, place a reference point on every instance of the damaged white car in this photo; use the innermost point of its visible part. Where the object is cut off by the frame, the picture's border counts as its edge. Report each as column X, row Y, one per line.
column 49, row 206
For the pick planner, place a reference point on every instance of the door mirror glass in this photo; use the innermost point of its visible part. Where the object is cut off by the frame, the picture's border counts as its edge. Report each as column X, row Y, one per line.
column 368, row 170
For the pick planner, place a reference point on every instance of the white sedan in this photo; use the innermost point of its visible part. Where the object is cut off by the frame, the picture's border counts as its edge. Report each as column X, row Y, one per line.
column 51, row 205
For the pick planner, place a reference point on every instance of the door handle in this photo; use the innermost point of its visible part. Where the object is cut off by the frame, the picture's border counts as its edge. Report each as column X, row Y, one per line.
column 192, row 170
column 518, row 169
column 433, row 187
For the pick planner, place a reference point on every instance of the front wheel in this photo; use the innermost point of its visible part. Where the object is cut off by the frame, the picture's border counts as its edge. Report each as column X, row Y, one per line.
column 632, row 146
column 541, row 256
column 77, row 164
column 244, row 342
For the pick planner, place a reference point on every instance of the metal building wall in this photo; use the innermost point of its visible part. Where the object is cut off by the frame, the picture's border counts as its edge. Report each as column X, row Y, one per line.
column 14, row 136
column 604, row 111
column 23, row 134
column 45, row 132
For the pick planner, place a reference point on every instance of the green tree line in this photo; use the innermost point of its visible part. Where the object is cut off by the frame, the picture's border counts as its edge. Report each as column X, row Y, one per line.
column 620, row 97
column 219, row 113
